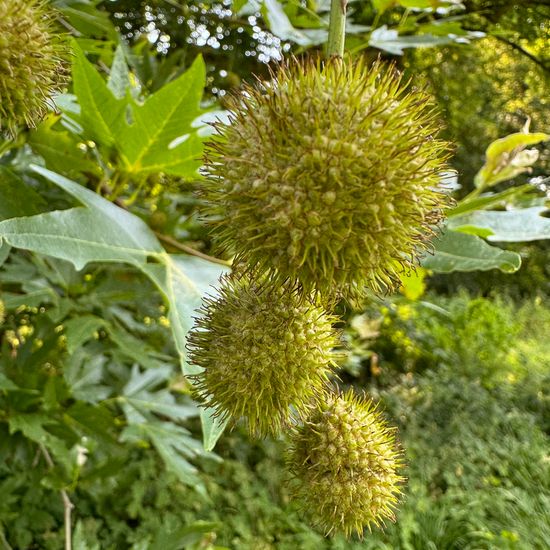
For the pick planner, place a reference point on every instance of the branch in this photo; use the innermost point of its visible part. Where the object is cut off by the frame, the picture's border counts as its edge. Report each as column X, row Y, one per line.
column 337, row 28
column 184, row 248
column 4, row 541
column 67, row 504
column 518, row 48
column 170, row 240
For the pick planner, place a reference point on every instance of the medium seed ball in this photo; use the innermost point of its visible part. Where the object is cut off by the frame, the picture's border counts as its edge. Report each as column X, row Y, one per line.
column 264, row 351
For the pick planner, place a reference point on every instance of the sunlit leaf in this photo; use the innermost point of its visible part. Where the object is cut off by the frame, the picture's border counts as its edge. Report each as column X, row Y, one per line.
column 119, row 77
column 150, row 137
column 161, row 137
column 508, row 157
column 101, row 113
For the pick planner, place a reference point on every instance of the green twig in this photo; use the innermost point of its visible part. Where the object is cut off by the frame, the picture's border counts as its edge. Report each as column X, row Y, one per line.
column 189, row 250
column 337, row 28
column 5, row 543
column 67, row 504
column 473, row 194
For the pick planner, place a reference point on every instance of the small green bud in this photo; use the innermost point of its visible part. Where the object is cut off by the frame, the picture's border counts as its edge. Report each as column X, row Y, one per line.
column 343, row 461
column 263, row 350
column 158, row 220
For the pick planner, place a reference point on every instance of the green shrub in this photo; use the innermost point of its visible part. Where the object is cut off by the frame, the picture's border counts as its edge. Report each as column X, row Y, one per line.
column 490, row 339
column 474, row 456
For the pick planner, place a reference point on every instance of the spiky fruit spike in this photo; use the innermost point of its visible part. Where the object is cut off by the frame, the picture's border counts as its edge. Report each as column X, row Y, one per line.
column 263, row 349
column 2, row 313
column 344, row 465
column 32, row 63
column 328, row 176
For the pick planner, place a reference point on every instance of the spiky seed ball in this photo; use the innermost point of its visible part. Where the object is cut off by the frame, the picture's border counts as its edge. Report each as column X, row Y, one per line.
column 263, row 350
column 32, row 66
column 327, row 175
column 344, row 461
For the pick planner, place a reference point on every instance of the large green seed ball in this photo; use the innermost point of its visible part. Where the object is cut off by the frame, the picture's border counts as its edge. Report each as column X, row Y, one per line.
column 328, row 175
column 343, row 460
column 264, row 350
column 32, row 66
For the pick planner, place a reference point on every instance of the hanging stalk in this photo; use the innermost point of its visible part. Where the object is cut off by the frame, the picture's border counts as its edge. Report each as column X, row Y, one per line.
column 337, row 28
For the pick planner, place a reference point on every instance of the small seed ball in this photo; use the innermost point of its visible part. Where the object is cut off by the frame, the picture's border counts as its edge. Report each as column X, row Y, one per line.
column 344, row 465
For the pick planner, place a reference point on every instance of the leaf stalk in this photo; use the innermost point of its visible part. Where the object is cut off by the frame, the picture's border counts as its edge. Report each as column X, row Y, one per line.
column 337, row 28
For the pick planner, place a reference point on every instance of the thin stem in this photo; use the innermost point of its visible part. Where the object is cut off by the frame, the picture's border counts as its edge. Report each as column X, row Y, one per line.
column 337, row 28
column 5, row 543
column 473, row 194
column 5, row 146
column 189, row 250
column 69, row 27
column 166, row 238
column 67, row 504
column 8, row 144
column 519, row 49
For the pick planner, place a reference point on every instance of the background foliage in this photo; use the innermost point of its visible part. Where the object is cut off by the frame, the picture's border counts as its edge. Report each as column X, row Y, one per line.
column 103, row 260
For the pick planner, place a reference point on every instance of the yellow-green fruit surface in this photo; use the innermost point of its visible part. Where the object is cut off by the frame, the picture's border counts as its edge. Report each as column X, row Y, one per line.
column 263, row 350
column 329, row 176
column 344, row 465
column 32, row 66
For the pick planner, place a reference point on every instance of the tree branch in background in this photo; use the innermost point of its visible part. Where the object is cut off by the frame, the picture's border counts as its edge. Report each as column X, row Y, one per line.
column 67, row 504
column 527, row 54
column 185, row 248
